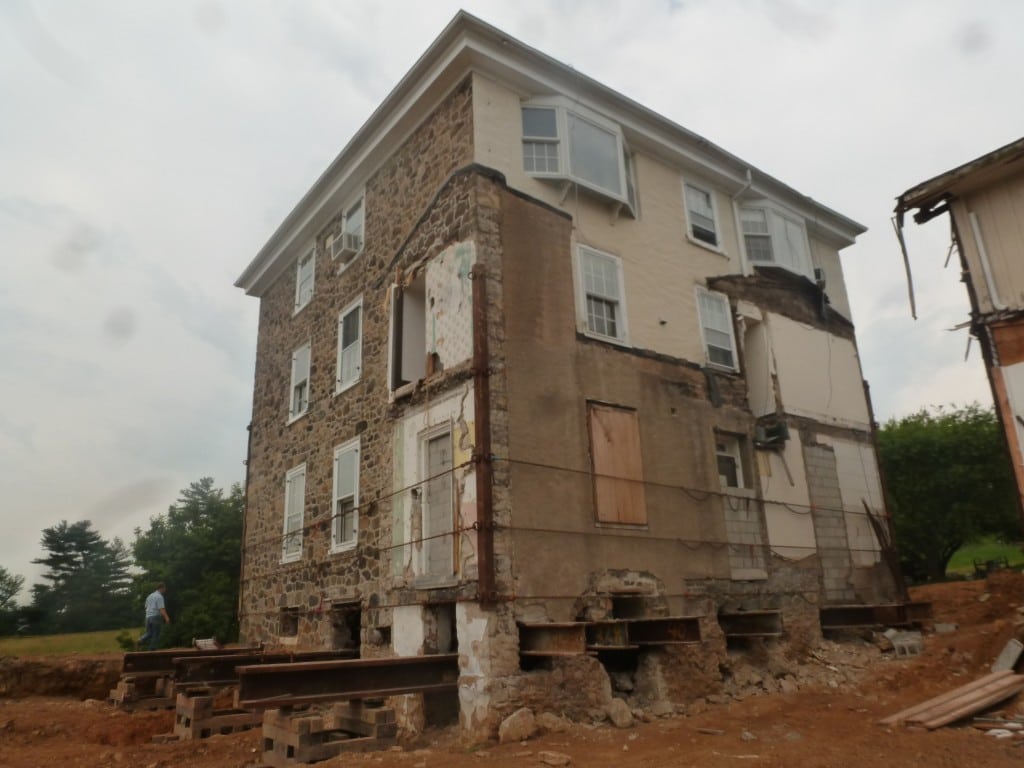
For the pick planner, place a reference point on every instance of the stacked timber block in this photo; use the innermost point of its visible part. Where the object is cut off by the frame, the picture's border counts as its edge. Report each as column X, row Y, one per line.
column 143, row 691
column 291, row 737
column 196, row 717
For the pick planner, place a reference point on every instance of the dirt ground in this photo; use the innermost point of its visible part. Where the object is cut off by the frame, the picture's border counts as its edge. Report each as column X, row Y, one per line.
column 827, row 719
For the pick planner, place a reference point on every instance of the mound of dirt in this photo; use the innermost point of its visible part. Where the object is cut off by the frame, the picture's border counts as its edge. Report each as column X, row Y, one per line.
column 78, row 677
column 773, row 712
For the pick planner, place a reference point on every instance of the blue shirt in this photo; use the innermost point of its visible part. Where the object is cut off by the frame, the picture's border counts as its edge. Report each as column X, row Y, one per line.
column 154, row 604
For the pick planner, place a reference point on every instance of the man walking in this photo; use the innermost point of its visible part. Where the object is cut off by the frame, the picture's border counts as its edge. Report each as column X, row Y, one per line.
column 156, row 617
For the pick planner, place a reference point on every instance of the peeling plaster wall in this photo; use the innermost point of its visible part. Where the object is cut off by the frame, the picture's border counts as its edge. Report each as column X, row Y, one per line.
column 450, row 304
column 455, row 412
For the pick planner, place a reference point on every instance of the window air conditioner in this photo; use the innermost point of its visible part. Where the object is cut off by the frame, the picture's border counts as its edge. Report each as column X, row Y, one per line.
column 819, row 277
column 346, row 246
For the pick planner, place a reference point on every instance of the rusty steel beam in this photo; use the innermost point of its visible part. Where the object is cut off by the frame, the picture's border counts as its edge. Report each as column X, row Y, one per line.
column 220, row 669
column 889, row 615
column 486, row 589
column 674, row 630
column 265, row 686
column 148, row 662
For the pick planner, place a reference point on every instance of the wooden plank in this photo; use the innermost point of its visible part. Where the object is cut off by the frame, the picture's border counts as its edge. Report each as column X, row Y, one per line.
column 976, row 706
column 964, row 700
column 948, row 696
column 618, row 465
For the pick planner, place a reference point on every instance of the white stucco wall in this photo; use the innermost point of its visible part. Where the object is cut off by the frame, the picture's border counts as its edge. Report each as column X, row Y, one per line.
column 787, row 502
column 819, row 374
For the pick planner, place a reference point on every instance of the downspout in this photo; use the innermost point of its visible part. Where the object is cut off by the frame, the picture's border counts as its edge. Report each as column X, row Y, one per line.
column 738, row 224
column 486, row 593
column 986, row 267
column 245, row 520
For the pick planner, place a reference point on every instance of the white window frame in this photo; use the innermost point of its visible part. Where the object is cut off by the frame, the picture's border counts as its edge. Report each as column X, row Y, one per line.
column 722, row 299
column 352, row 446
column 798, row 261
column 731, row 447
column 293, row 522
column 433, row 432
column 341, row 382
column 298, row 377
column 583, row 252
column 715, row 220
column 346, row 228
column 302, row 295
column 563, row 110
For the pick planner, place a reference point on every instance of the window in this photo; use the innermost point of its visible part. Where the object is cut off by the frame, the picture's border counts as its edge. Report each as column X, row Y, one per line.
column 348, row 243
column 299, row 402
column 304, row 279
column 345, row 520
column 573, row 144
column 540, row 141
column 350, row 345
column 730, row 461
column 294, row 512
column 438, row 503
column 617, row 464
column 408, row 350
column 603, row 298
column 771, row 237
column 700, row 214
column 716, row 329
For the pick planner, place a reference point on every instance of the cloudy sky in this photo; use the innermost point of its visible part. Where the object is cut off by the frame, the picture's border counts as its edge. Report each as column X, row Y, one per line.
column 148, row 149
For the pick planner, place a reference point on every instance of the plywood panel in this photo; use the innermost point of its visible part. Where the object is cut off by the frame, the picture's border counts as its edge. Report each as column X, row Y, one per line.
column 618, row 465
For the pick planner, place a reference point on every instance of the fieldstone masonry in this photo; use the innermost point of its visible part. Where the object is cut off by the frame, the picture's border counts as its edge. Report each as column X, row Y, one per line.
column 428, row 208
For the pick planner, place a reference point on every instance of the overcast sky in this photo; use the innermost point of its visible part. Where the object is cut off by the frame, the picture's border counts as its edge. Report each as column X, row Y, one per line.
column 148, row 149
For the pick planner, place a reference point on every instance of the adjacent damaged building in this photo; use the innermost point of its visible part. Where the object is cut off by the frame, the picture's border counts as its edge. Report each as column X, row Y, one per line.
column 549, row 381
column 985, row 202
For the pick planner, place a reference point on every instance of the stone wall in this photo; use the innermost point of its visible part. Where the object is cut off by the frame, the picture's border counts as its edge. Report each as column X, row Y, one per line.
column 397, row 196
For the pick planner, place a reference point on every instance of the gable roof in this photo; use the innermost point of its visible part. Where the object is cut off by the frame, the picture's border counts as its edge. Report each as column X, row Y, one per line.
column 467, row 45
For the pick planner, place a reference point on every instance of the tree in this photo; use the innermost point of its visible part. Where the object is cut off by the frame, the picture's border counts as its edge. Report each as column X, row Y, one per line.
column 950, row 481
column 10, row 586
column 196, row 549
column 89, row 583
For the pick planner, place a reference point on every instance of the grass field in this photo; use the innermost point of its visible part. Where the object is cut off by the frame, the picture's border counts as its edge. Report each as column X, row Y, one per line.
column 62, row 645
column 983, row 550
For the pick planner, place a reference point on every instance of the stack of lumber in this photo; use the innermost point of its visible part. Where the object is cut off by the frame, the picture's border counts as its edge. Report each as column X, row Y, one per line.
column 961, row 702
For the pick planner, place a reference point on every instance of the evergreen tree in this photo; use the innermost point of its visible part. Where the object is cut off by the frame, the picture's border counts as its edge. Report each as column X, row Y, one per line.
column 88, row 586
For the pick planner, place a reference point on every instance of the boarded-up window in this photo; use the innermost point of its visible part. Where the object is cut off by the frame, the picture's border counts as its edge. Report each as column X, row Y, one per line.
column 618, row 466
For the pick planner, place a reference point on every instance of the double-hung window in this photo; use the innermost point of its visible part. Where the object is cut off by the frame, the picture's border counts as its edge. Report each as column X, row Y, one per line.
column 602, row 299
column 730, row 461
column 304, row 279
column 350, row 343
column 294, row 513
column 566, row 141
column 299, row 391
column 700, row 215
column 771, row 237
column 716, row 329
column 345, row 514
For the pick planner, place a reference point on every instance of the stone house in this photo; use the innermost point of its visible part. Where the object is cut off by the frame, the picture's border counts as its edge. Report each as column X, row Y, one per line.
column 548, row 380
column 985, row 202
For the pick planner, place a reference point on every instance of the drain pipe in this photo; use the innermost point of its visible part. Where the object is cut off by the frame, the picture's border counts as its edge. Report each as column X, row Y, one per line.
column 486, row 592
column 741, row 251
